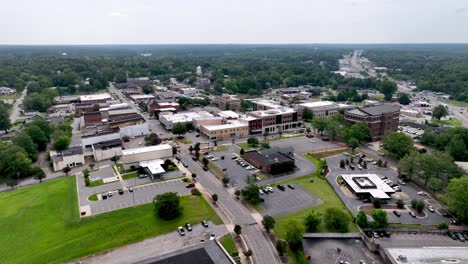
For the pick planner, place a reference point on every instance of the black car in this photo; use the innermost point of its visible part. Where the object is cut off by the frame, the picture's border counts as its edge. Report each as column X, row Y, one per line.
column 104, row 196
column 367, row 200
column 204, row 223
column 455, row 222
column 130, row 189
column 121, row 191
column 460, row 237
column 291, row 186
column 351, row 167
column 445, row 214
column 281, row 187
column 262, row 200
column 452, row 235
column 185, row 164
column 188, row 226
column 205, row 168
column 325, row 139
column 397, row 213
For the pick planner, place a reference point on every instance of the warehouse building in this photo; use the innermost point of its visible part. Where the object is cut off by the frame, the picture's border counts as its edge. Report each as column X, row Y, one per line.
column 224, row 131
column 71, row 157
column 133, row 157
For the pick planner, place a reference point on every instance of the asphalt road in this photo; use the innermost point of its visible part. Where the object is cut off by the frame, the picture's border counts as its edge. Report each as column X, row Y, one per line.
column 262, row 248
column 15, row 111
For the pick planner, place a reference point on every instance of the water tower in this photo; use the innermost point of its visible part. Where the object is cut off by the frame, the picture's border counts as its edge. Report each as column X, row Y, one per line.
column 199, row 70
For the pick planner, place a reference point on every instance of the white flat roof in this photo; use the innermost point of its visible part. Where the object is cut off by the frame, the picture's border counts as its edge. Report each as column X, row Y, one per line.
column 154, row 166
column 186, row 117
column 271, row 112
column 318, row 104
column 141, row 96
column 381, row 188
column 228, row 114
column 92, row 97
column 225, row 126
column 146, row 149
column 424, row 255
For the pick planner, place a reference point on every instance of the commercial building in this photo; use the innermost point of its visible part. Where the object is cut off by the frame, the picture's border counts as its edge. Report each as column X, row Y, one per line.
column 169, row 119
column 219, row 132
column 262, row 104
column 7, row 91
column 206, row 121
column 409, row 112
column 321, row 109
column 107, row 149
column 368, row 186
column 228, row 115
column 134, row 130
column 71, row 157
column 92, row 139
column 95, row 98
column 141, row 97
column 132, row 157
column 382, row 119
column 274, row 161
column 255, row 124
column 128, row 120
column 282, row 118
column 156, row 107
column 228, row 102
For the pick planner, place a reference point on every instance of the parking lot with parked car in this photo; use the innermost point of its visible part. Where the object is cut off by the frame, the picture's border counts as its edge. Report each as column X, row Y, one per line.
column 281, row 199
column 406, row 191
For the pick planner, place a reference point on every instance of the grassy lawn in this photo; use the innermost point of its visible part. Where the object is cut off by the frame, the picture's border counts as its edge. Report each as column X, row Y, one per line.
column 130, row 175
column 245, row 146
column 220, row 148
column 322, row 190
column 40, row 224
column 457, row 103
column 187, row 142
column 451, row 122
column 217, row 170
column 228, row 243
column 93, row 197
column 10, row 96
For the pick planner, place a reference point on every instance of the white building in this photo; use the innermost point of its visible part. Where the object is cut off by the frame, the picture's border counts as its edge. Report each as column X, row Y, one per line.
column 321, row 109
column 71, row 157
column 7, row 91
column 95, row 98
column 409, row 112
column 169, row 119
column 132, row 157
column 189, row 91
column 107, row 150
column 134, row 130
column 87, row 141
column 228, row 114
column 368, row 186
column 199, row 70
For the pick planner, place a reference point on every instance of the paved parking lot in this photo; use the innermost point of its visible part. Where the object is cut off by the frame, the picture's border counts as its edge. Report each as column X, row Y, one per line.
column 409, row 192
column 325, row 251
column 419, row 240
column 102, row 173
column 281, row 202
column 304, row 144
column 140, row 195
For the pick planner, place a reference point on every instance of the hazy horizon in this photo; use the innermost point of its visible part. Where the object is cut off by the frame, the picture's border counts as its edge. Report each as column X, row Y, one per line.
column 142, row 22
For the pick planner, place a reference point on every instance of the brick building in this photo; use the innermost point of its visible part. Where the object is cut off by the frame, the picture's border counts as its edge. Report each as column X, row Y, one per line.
column 283, row 118
column 274, row 161
column 381, row 119
column 228, row 102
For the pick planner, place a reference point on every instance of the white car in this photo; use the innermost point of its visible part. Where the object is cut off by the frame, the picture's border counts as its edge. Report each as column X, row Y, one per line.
column 215, row 159
column 109, row 194
column 261, row 192
column 249, row 168
column 359, row 167
column 422, row 193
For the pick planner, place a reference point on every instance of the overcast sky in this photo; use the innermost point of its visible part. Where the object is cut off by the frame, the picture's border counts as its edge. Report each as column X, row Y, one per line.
column 232, row 21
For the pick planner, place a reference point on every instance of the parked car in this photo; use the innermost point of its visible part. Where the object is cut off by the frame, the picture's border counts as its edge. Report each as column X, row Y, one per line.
column 265, row 191
column 204, row 223
column 359, row 166
column 209, row 156
column 431, row 208
column 292, row 186
column 351, row 166
column 188, row 226
column 269, row 188
column 104, row 196
column 121, row 191
column 422, row 193
column 205, row 168
column 325, row 139
column 215, row 159
column 281, row 187
column 109, row 194
column 190, row 185
column 412, row 214
column 375, row 234
column 181, row 231
column 452, row 235
column 460, row 237
column 367, row 200
column 233, row 157
column 185, row 164
column 249, row 168
column 261, row 192
column 401, row 182
column 397, row 213
column 130, row 189
column 142, row 176
column 455, row 222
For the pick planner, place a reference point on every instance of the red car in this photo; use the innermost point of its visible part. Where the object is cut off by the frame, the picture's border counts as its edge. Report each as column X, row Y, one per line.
column 190, row 185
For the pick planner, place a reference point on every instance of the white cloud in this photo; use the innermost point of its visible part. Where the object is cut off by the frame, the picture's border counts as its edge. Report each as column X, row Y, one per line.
column 117, row 14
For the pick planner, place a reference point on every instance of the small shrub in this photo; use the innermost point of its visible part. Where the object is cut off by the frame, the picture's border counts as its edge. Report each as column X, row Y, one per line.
column 196, row 192
column 400, row 204
column 442, row 226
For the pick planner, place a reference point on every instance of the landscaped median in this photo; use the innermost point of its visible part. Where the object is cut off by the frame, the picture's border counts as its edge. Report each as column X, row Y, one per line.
column 41, row 224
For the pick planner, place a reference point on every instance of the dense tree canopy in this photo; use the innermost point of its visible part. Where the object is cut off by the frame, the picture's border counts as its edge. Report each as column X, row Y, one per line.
column 457, row 198
column 398, row 144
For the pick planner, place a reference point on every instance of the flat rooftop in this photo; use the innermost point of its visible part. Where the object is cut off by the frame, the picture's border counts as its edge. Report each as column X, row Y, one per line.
column 368, row 183
column 92, row 97
column 229, row 114
column 141, row 96
column 225, row 126
column 320, row 104
column 186, row 117
column 424, row 255
column 146, row 149
column 273, row 112
column 154, row 166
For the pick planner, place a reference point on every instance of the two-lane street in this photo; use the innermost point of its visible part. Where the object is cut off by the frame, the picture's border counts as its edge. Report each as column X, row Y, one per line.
column 262, row 248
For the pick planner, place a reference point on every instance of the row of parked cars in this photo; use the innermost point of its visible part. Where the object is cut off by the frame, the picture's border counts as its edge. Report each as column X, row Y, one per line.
column 188, row 226
column 462, row 236
column 243, row 163
column 111, row 193
column 269, row 189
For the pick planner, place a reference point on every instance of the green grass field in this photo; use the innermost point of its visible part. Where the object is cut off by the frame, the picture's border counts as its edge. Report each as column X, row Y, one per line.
column 228, row 243
column 130, row 175
column 457, row 103
column 319, row 188
column 321, row 155
column 40, row 224
column 451, row 122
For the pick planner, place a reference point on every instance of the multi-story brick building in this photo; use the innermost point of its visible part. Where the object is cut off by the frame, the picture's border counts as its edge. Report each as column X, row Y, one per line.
column 283, row 118
column 228, row 102
column 381, row 119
